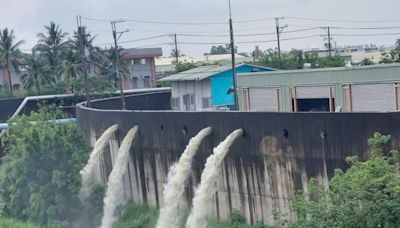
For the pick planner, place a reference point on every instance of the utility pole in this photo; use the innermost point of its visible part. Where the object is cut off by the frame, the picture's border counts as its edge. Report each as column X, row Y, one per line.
column 117, row 61
column 278, row 33
column 82, row 45
column 236, row 105
column 176, row 50
column 329, row 41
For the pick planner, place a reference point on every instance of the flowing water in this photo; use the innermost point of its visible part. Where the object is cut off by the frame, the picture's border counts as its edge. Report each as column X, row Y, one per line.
column 114, row 193
column 198, row 217
column 88, row 171
column 171, row 212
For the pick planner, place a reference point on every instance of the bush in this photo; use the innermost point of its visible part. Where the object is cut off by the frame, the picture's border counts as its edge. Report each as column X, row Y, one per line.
column 366, row 195
column 39, row 174
column 137, row 216
column 11, row 223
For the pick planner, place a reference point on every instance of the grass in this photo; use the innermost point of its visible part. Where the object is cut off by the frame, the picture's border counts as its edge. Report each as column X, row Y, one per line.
column 12, row 223
column 135, row 216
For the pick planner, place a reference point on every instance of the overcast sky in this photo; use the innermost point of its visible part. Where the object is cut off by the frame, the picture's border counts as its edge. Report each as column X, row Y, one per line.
column 27, row 18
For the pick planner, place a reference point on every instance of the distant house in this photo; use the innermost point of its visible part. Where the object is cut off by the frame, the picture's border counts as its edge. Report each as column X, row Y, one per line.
column 348, row 89
column 15, row 78
column 142, row 68
column 205, row 87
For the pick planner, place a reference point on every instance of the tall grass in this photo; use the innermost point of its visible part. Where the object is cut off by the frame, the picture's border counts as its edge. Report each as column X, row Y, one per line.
column 12, row 223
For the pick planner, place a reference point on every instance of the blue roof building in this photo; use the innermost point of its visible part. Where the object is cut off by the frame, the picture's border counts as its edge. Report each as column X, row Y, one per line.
column 206, row 87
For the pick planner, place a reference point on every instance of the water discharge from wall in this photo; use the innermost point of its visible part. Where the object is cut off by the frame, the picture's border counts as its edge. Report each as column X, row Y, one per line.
column 88, row 171
column 114, row 193
column 198, row 217
column 171, row 212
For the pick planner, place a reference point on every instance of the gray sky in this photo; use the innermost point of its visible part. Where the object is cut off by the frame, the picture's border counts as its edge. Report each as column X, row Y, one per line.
column 27, row 18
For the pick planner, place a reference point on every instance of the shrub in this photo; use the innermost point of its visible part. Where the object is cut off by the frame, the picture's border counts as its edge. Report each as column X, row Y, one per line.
column 39, row 174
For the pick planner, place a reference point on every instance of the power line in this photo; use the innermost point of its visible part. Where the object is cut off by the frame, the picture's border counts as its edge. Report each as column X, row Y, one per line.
column 347, row 21
column 370, row 34
column 158, row 22
column 368, row 28
column 136, row 40
column 251, row 42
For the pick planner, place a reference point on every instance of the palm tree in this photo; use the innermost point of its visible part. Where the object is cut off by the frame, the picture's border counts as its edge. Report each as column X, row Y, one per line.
column 37, row 73
column 109, row 63
column 53, row 45
column 9, row 55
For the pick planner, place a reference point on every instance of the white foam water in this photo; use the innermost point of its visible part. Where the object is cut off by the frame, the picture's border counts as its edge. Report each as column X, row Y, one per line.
column 114, row 193
column 171, row 212
column 87, row 172
column 198, row 217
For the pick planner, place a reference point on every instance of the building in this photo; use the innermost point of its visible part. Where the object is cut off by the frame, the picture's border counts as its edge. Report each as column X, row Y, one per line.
column 205, row 87
column 349, row 89
column 15, row 78
column 142, row 68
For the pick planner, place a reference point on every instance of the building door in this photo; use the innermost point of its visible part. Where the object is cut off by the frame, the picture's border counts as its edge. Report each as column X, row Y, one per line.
column 314, row 98
column 373, row 98
column 264, row 99
column 189, row 102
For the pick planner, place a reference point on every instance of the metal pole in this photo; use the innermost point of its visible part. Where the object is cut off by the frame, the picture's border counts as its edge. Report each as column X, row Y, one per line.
column 236, row 105
column 278, row 35
column 117, row 63
column 329, row 41
column 176, row 50
column 81, row 35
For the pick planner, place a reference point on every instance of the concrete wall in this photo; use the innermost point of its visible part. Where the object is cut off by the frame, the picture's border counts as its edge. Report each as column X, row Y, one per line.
column 8, row 107
column 276, row 157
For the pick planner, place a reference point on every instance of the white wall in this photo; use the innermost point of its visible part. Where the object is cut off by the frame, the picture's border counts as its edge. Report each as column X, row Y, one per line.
column 199, row 88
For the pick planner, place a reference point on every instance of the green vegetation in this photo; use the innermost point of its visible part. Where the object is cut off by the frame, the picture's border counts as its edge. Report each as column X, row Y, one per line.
column 366, row 195
column 12, row 223
column 39, row 174
column 135, row 216
column 296, row 59
column 9, row 57
column 184, row 66
column 393, row 56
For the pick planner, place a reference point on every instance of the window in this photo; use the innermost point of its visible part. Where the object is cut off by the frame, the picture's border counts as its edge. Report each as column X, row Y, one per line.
column 206, row 102
column 188, row 102
column 175, row 103
column 146, row 81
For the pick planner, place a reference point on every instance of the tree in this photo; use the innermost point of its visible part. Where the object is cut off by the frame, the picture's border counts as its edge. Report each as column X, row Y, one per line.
column 36, row 74
column 184, row 66
column 366, row 195
column 9, row 56
column 108, row 63
column 39, row 175
column 393, row 56
column 331, row 61
column 286, row 61
column 366, row 62
column 53, row 45
column 219, row 50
